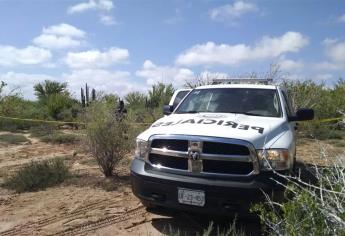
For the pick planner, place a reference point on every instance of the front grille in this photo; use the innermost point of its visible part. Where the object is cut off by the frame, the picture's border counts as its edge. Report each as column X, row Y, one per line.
column 224, row 149
column 171, row 144
column 227, row 167
column 218, row 155
column 169, row 161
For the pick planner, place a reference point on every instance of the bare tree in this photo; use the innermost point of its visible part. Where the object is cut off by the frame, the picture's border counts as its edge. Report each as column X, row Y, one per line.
column 204, row 78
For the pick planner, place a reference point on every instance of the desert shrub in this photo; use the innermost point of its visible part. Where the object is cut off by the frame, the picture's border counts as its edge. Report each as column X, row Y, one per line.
column 135, row 100
column 322, row 132
column 159, row 94
column 13, row 125
column 42, row 130
column 327, row 102
column 17, row 107
column 48, row 134
column 310, row 209
column 59, row 138
column 38, row 175
column 59, row 106
column 13, row 138
column 231, row 230
column 107, row 137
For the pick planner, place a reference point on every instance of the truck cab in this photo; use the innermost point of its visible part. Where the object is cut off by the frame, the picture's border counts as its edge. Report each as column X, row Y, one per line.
column 175, row 100
column 219, row 150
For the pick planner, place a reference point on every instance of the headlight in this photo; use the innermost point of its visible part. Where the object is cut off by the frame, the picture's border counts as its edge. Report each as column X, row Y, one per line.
column 141, row 149
column 277, row 159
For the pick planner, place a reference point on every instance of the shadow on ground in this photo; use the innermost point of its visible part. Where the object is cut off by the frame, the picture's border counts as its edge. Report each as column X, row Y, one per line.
column 182, row 223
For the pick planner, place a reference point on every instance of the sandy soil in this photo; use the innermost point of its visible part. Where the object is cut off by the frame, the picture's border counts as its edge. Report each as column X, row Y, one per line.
column 89, row 204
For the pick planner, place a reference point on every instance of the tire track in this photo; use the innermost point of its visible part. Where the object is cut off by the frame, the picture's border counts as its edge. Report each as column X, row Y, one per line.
column 101, row 223
column 56, row 218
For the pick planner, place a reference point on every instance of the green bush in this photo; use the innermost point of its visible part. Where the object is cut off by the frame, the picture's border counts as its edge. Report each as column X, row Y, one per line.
column 309, row 209
column 159, row 94
column 16, row 107
column 38, row 176
column 60, row 106
column 107, row 137
column 13, row 125
column 13, row 138
column 324, row 132
column 327, row 102
column 321, row 131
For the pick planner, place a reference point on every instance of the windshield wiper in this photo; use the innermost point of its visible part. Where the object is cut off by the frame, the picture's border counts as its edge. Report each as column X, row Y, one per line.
column 185, row 112
column 245, row 113
column 192, row 112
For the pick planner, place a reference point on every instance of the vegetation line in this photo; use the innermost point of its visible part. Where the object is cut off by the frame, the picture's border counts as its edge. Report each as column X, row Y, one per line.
column 60, row 122
column 47, row 121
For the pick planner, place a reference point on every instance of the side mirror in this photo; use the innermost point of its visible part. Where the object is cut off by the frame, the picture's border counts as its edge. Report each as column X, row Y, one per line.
column 167, row 109
column 303, row 114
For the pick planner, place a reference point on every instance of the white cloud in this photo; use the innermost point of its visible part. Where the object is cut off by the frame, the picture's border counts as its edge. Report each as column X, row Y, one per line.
column 107, row 20
column 233, row 11
column 327, row 65
column 60, row 37
column 96, row 58
column 118, row 82
column 103, row 5
column 329, row 41
column 12, row 56
column 335, row 52
column 342, row 18
column 213, row 75
column 64, row 30
column 154, row 73
column 108, row 81
column 23, row 82
column 289, row 65
column 224, row 54
column 56, row 42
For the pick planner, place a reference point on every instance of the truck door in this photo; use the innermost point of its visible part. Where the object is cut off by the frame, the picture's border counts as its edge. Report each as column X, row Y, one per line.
column 290, row 112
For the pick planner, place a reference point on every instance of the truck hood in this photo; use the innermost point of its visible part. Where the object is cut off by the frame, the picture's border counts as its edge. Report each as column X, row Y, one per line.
column 262, row 132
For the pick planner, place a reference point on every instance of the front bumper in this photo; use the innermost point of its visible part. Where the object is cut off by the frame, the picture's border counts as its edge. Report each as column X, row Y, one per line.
column 222, row 196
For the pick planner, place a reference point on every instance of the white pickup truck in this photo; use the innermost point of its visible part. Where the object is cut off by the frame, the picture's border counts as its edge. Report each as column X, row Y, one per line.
column 218, row 150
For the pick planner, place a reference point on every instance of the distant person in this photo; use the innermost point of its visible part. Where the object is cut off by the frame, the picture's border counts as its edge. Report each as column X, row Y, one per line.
column 121, row 110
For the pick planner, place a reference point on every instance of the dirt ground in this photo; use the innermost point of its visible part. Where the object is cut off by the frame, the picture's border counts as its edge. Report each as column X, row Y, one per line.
column 89, row 204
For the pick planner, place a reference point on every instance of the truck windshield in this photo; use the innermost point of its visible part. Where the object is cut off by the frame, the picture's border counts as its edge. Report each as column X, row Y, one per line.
column 248, row 101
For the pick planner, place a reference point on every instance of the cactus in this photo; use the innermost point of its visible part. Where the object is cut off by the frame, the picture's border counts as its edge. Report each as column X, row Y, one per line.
column 82, row 97
column 93, row 95
column 87, row 95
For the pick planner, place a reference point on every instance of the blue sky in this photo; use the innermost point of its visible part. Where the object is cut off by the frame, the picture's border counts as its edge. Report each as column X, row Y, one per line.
column 119, row 46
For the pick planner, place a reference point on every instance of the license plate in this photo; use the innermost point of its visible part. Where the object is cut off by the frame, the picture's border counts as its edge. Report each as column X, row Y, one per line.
column 191, row 197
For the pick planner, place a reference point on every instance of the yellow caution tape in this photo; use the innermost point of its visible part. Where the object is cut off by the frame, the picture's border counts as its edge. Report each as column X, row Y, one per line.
column 58, row 122
column 43, row 121
column 133, row 123
column 330, row 119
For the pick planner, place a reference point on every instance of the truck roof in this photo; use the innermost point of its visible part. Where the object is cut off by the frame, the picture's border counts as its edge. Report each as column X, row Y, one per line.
column 254, row 86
